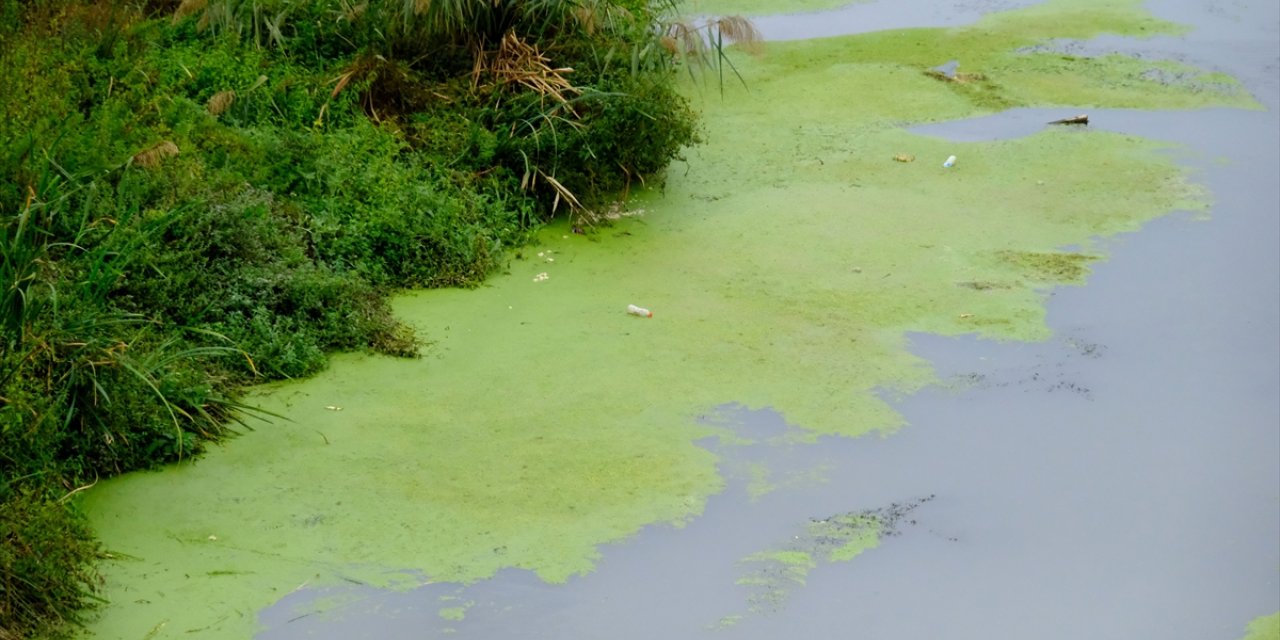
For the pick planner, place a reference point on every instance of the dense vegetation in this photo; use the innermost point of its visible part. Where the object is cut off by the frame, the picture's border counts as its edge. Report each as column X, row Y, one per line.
column 196, row 196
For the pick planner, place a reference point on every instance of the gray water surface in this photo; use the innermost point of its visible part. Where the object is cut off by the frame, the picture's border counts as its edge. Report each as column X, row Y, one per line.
column 1121, row 481
column 864, row 17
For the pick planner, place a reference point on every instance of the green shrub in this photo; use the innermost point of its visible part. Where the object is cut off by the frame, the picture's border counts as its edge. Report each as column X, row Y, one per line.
column 240, row 265
column 623, row 131
column 400, row 220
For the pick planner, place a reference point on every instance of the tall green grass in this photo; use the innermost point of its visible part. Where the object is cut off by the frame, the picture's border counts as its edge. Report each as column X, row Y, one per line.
column 85, row 392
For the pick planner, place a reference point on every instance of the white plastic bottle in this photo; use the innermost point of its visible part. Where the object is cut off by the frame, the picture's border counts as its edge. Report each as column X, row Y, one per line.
column 639, row 311
column 951, row 162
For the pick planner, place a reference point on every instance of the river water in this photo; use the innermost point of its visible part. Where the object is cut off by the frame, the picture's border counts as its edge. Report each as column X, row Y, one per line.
column 1118, row 480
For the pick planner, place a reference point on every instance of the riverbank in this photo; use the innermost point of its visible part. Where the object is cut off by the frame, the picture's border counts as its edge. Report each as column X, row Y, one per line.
column 200, row 196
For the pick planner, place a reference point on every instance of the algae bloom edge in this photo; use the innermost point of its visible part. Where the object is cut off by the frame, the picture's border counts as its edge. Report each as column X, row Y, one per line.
column 593, row 440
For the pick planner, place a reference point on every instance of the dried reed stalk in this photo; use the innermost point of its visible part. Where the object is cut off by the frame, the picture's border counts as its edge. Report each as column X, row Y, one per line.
column 518, row 61
column 562, row 192
column 698, row 39
column 188, row 7
column 587, row 18
column 683, row 38
column 740, row 30
column 351, row 13
column 220, row 102
column 152, row 157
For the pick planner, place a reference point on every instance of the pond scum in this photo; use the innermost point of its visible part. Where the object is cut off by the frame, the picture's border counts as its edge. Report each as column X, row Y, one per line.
column 770, row 576
column 784, row 260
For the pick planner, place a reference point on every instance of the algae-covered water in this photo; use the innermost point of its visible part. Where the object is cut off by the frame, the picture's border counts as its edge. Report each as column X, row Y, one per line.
column 740, row 464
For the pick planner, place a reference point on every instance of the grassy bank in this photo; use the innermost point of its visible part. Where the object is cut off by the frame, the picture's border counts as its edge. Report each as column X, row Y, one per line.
column 197, row 196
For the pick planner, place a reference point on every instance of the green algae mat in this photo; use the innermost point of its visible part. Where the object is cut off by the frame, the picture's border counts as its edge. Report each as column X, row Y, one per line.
column 1264, row 628
column 784, row 262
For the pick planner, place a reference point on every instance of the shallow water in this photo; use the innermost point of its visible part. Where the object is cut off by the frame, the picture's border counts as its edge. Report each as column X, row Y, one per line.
column 1118, row 480
column 863, row 17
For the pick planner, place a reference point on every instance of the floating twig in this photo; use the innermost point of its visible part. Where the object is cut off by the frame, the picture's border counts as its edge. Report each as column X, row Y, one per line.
column 1080, row 119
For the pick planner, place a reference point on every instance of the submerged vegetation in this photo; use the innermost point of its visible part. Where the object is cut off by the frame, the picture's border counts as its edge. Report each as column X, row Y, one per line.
column 202, row 194
column 769, row 577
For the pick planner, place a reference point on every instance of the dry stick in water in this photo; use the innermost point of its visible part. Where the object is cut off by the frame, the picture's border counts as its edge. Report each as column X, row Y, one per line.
column 1080, row 119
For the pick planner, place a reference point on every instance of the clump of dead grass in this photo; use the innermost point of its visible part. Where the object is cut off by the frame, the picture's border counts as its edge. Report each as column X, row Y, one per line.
column 220, row 102
column 152, row 157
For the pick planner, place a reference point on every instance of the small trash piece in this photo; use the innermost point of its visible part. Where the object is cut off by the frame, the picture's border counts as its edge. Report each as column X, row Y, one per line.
column 903, row 157
column 639, row 311
column 1080, row 119
column 951, row 162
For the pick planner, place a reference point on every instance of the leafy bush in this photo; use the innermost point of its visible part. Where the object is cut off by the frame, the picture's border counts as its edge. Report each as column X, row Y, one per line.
column 627, row 129
column 241, row 266
column 400, row 220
